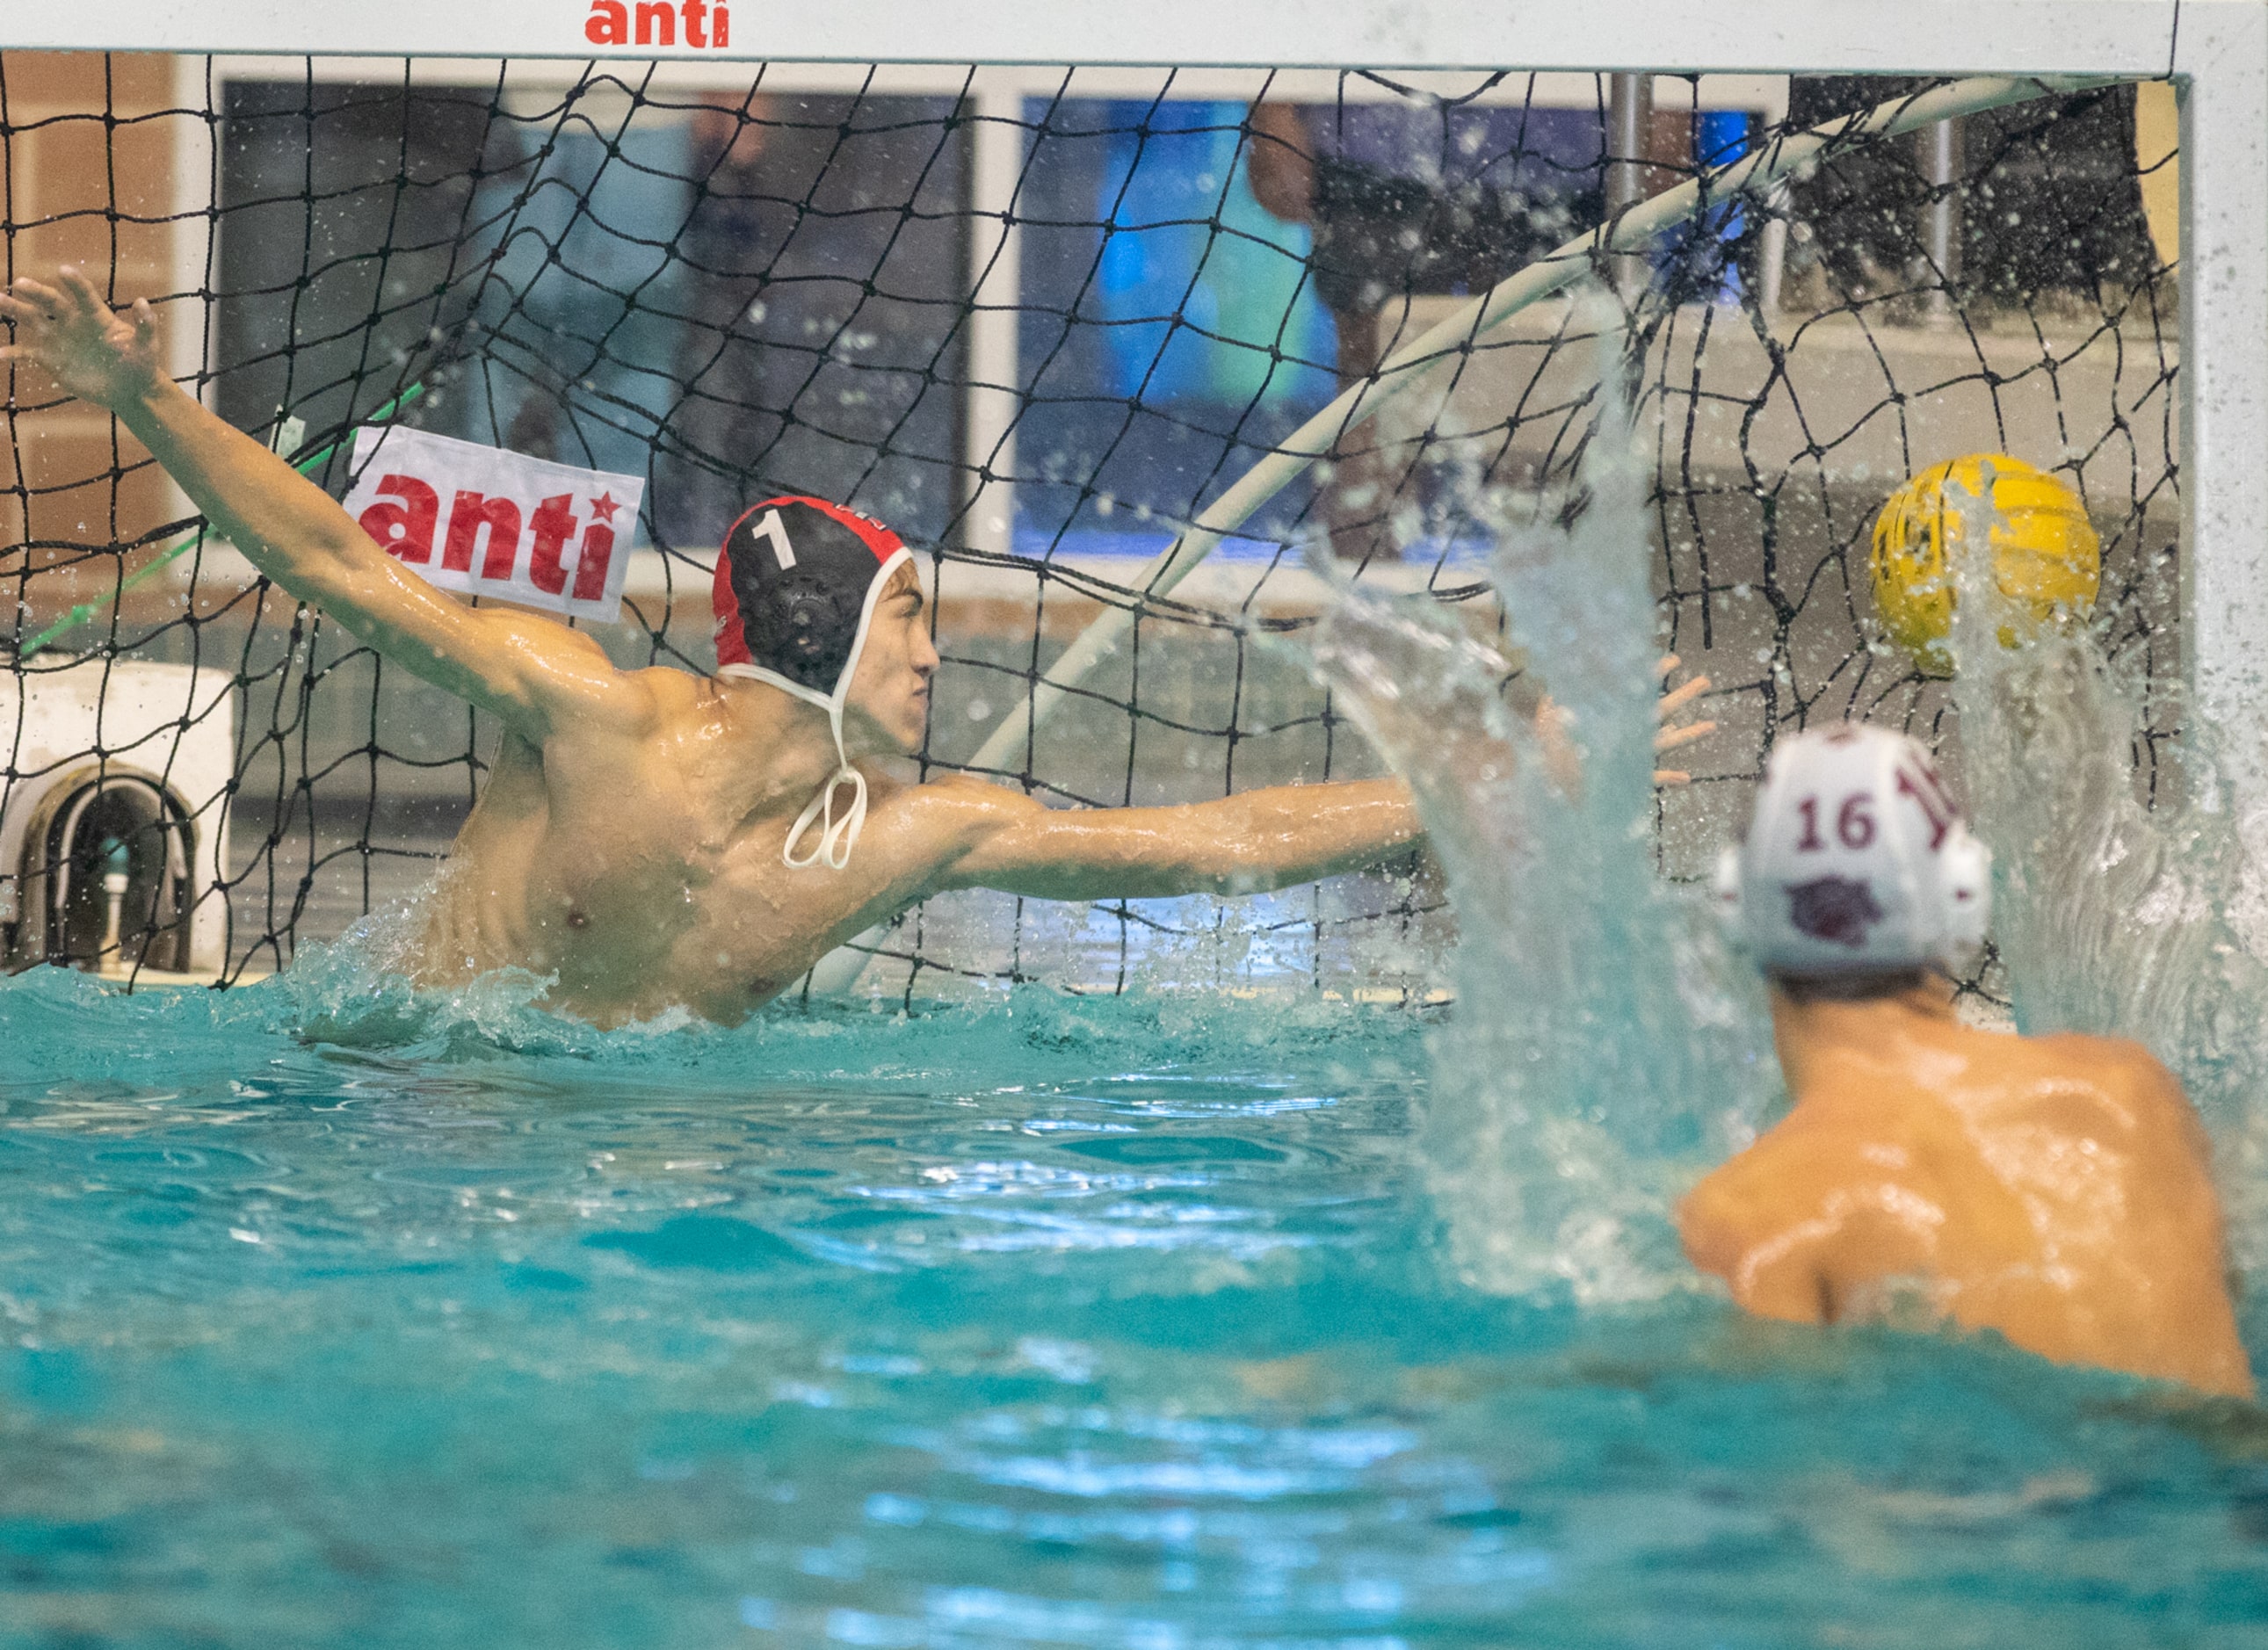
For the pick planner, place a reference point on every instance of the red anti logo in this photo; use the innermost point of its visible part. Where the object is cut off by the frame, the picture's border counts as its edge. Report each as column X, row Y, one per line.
column 488, row 530
column 659, row 23
column 488, row 522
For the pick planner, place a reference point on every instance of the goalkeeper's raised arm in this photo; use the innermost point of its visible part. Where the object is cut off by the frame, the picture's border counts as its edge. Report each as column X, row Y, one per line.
column 522, row 671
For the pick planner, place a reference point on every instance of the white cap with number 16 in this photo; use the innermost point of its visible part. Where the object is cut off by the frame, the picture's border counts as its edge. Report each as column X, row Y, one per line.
column 1856, row 862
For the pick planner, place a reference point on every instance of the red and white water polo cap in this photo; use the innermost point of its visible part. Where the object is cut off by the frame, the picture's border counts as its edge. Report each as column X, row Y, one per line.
column 1857, row 861
column 796, row 584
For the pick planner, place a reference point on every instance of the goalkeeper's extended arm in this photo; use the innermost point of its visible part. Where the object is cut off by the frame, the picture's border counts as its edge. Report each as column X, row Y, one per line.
column 289, row 528
column 1260, row 840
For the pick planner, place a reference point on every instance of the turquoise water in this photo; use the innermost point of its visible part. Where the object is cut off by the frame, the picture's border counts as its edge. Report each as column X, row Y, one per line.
column 1037, row 1320
column 330, row 1316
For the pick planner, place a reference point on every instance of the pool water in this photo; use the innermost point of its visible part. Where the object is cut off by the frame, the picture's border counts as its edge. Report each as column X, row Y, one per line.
column 1034, row 1321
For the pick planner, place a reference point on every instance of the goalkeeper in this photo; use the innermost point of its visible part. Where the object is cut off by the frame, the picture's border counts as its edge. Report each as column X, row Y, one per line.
column 650, row 838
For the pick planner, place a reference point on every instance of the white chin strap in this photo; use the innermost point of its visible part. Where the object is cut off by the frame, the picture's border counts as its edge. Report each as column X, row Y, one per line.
column 836, row 837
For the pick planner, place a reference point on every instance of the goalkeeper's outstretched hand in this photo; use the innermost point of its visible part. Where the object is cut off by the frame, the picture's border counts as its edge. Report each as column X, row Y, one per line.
column 1566, row 766
column 1667, row 711
column 92, row 351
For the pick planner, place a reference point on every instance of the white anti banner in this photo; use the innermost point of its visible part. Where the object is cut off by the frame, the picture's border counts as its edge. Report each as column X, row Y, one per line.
column 486, row 522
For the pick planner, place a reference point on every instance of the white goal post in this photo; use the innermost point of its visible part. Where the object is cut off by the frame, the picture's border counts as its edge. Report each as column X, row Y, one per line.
column 2215, row 51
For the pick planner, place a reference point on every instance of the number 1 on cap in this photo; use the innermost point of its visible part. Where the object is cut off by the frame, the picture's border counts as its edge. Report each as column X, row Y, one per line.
column 773, row 528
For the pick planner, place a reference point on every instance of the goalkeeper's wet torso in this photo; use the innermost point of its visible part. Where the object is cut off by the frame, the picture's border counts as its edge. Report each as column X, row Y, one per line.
column 643, row 868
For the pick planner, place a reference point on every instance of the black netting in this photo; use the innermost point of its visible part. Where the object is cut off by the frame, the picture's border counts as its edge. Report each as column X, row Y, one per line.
column 1038, row 370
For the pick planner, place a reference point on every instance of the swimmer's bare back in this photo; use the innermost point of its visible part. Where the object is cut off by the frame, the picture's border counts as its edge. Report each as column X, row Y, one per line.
column 2057, row 1190
column 630, row 838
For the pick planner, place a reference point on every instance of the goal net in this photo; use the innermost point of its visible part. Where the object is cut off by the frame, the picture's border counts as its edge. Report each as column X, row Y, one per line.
column 1042, row 322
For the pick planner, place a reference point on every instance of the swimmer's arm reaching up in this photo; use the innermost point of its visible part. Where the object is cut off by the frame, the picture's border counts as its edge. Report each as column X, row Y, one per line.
column 1249, row 843
column 523, row 669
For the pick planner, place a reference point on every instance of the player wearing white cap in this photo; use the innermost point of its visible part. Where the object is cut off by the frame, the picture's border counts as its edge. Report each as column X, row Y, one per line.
column 2055, row 1188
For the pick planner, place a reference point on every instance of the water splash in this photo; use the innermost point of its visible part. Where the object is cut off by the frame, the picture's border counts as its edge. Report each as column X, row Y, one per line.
column 2115, row 913
column 1604, row 1047
column 357, row 991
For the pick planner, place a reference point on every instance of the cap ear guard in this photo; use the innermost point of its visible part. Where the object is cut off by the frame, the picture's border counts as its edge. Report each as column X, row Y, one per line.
column 1968, row 879
column 1725, row 888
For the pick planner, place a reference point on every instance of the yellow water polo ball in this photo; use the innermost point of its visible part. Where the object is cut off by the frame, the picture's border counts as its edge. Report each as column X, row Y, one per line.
column 2046, row 557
